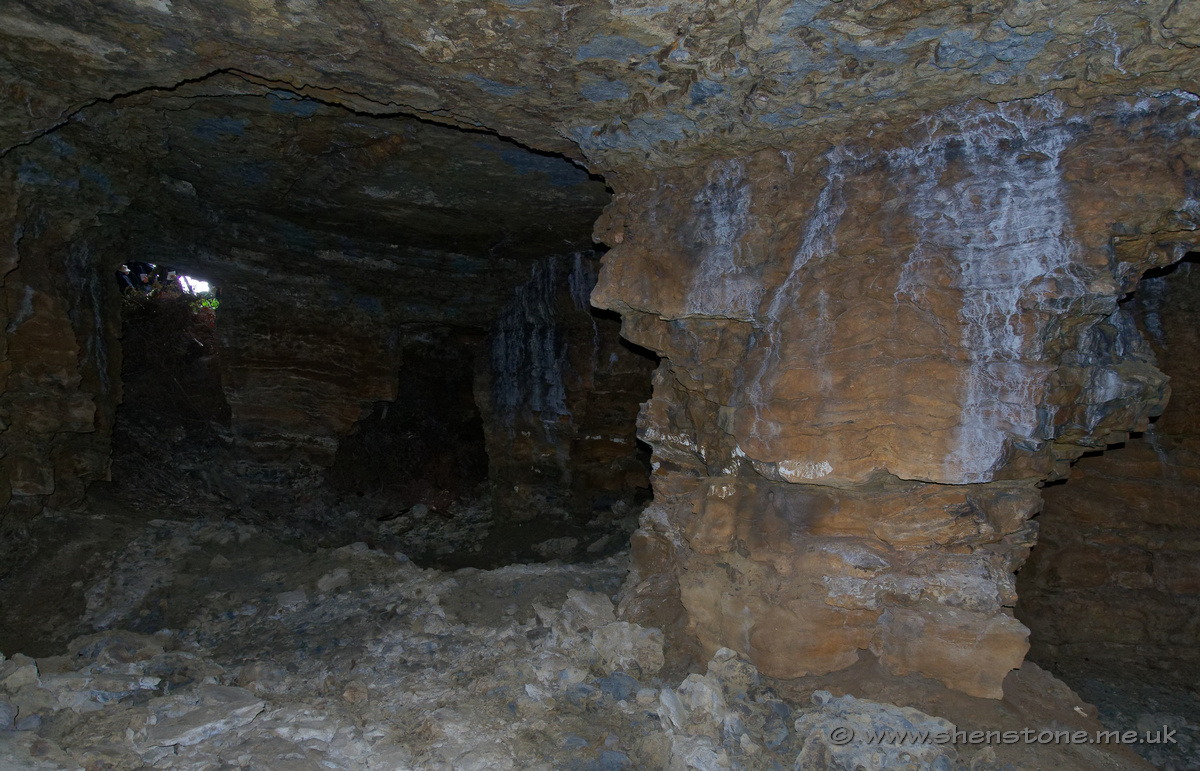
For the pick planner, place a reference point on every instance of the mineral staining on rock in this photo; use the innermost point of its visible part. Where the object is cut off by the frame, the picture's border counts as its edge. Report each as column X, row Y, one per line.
column 1007, row 227
column 853, row 462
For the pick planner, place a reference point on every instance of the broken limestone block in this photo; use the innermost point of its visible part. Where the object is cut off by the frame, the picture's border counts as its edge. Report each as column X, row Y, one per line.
column 300, row 725
column 356, row 691
column 836, row 737
column 697, row 752
column 622, row 646
column 32, row 699
column 190, row 719
column 291, row 600
column 703, row 697
column 580, row 612
column 17, row 672
column 970, row 652
column 389, row 757
column 554, row 670
column 350, row 745
column 29, row 723
column 587, row 610
column 262, row 677
column 736, row 675
column 491, row 758
column 356, row 549
column 334, row 579
column 556, row 548
column 115, row 647
column 84, row 691
column 599, row 544
column 534, row 698
column 672, row 712
column 24, row 751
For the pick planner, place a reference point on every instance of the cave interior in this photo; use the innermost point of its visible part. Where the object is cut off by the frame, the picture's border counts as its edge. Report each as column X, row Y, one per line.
column 599, row 386
column 402, row 320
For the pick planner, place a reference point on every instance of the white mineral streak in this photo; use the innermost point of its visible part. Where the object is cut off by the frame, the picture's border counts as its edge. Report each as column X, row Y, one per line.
column 528, row 350
column 818, row 241
column 581, row 281
column 1007, row 227
column 818, row 238
column 722, row 490
column 720, row 286
column 797, row 471
column 660, row 438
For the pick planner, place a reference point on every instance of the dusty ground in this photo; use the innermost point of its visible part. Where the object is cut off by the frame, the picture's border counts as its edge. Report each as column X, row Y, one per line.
column 1145, row 698
column 204, row 644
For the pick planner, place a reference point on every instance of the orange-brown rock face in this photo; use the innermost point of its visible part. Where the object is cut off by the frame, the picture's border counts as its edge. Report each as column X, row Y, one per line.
column 59, row 359
column 300, row 370
column 873, row 355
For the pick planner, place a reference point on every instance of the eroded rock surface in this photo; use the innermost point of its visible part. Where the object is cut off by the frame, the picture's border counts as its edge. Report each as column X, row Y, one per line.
column 1112, row 585
column 873, row 356
column 617, row 81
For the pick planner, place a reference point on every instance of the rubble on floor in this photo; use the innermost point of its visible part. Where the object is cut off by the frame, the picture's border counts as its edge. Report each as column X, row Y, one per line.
column 218, row 647
column 1145, row 699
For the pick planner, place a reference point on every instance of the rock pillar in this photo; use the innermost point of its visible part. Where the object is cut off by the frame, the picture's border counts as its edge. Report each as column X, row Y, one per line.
column 873, row 355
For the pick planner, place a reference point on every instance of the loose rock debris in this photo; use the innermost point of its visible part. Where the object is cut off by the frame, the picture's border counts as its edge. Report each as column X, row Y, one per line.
column 356, row 659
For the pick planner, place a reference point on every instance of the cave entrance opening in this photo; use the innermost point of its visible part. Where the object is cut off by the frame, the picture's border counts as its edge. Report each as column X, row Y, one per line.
column 1111, row 591
column 173, row 419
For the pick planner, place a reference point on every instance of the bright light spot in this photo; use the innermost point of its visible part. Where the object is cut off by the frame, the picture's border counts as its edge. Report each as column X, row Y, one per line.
column 194, row 286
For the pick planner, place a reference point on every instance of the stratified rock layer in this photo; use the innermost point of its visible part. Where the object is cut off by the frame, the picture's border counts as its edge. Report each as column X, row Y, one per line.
column 559, row 395
column 337, row 242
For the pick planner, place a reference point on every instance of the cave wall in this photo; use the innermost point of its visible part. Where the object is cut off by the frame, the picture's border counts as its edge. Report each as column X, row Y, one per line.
column 559, row 395
column 872, row 356
column 307, row 358
column 426, row 445
column 334, row 238
column 1115, row 577
column 59, row 355
column 302, row 360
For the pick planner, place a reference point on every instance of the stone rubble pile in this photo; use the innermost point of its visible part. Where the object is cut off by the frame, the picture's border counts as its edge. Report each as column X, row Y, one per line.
column 369, row 662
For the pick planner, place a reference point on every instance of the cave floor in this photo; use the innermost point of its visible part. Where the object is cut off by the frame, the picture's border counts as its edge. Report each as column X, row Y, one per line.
column 209, row 643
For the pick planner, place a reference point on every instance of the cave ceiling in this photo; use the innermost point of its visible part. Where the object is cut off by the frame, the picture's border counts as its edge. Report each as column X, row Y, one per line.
column 242, row 164
column 237, row 182
column 622, row 82
column 397, row 181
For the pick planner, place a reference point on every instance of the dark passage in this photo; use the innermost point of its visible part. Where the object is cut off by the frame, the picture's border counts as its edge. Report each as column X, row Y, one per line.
column 404, row 352
column 1111, row 591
